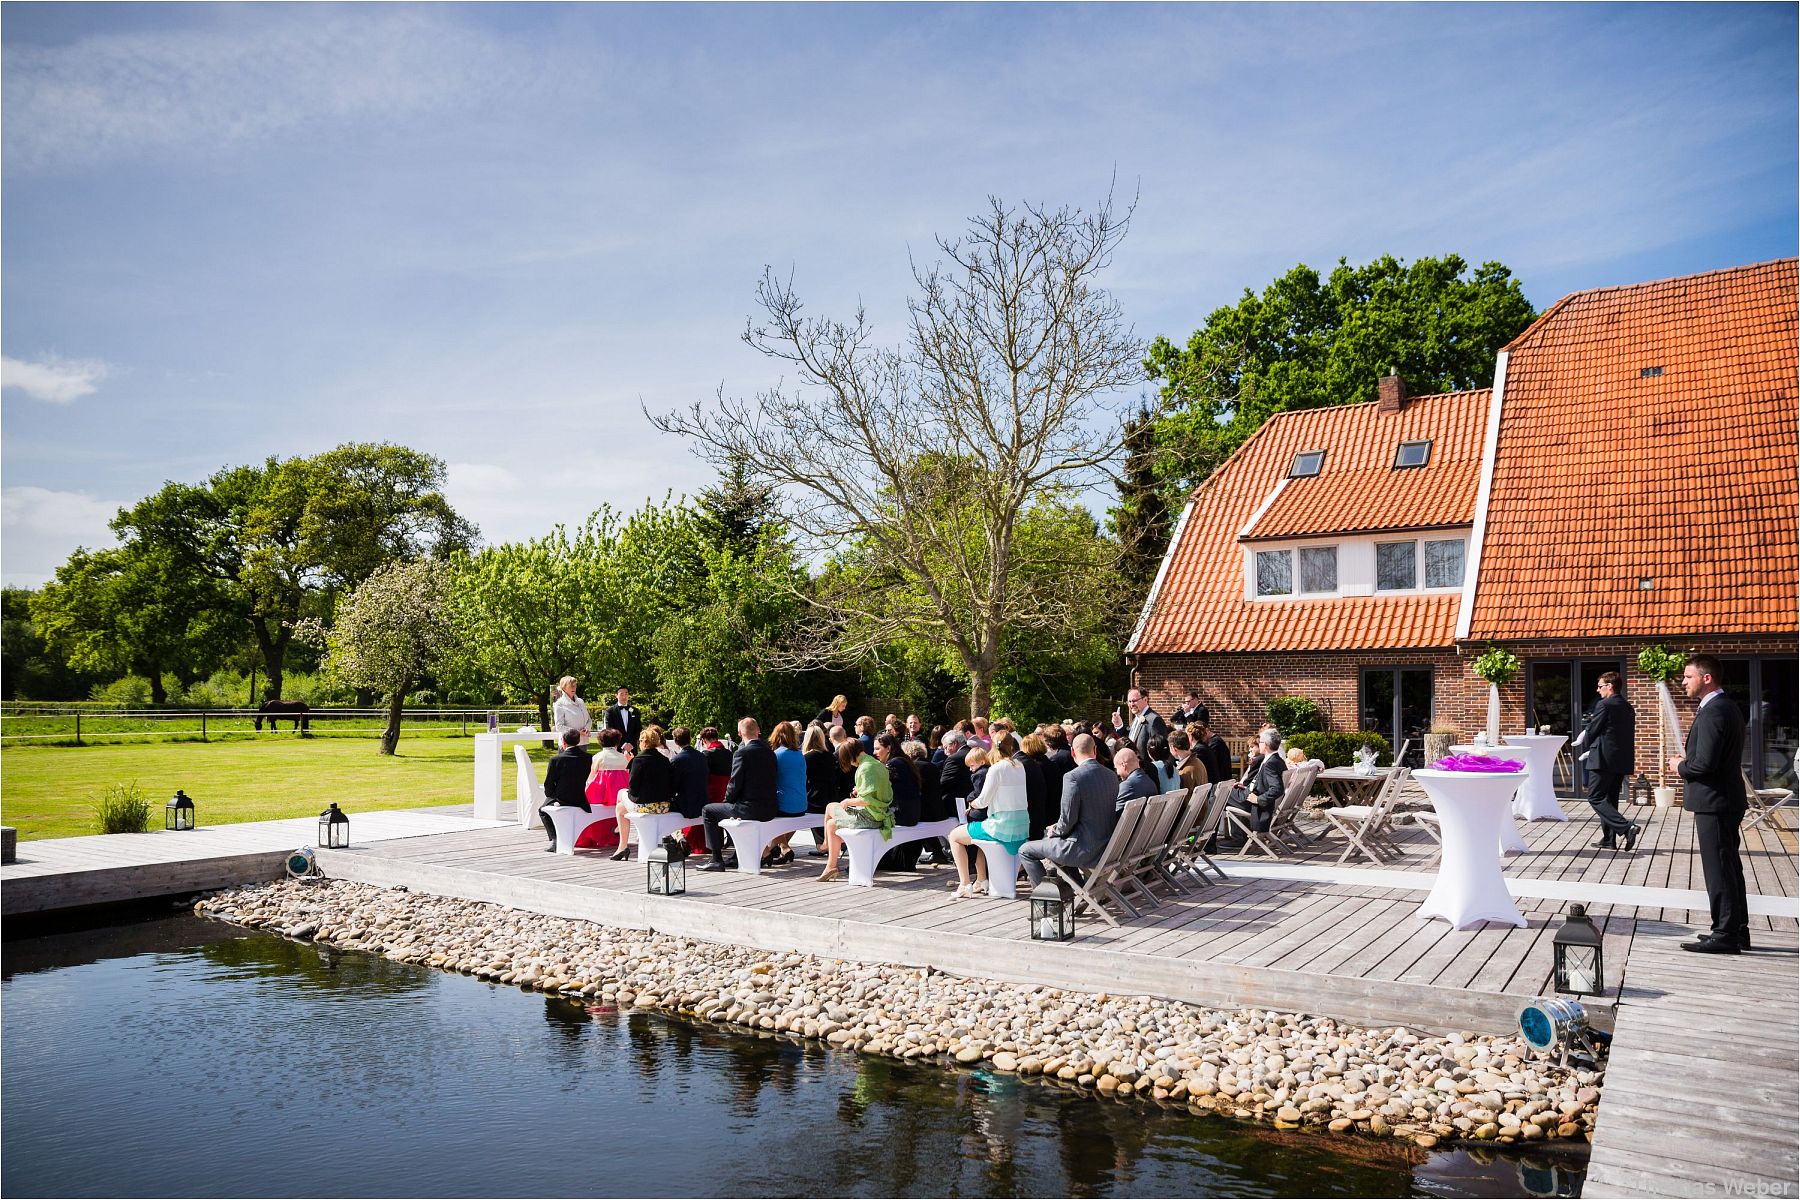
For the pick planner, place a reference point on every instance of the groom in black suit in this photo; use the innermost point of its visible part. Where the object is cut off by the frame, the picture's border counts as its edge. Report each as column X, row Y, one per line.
column 1713, row 768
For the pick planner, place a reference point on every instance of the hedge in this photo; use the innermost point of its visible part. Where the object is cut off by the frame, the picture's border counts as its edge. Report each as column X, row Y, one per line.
column 1339, row 749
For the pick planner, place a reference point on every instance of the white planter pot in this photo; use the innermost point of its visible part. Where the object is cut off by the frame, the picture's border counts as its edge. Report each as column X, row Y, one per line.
column 1665, row 797
column 1493, row 721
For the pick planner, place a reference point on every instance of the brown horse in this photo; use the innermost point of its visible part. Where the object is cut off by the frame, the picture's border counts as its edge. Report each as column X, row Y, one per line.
column 282, row 710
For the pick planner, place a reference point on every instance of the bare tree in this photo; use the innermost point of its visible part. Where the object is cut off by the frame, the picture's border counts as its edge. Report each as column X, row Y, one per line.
column 911, row 468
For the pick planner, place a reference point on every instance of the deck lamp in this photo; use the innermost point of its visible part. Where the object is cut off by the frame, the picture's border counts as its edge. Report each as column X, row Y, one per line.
column 334, row 828
column 666, row 867
column 1579, row 968
column 1640, row 789
column 1052, row 911
column 178, row 813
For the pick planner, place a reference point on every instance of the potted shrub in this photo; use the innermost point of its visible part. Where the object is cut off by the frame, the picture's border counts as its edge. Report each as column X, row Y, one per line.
column 1439, row 741
column 1498, row 667
column 1663, row 666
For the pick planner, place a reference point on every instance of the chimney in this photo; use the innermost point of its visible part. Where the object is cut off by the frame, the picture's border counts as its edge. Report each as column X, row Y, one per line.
column 1392, row 393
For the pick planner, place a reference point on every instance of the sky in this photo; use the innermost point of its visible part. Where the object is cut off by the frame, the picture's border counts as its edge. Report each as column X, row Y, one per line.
column 497, row 233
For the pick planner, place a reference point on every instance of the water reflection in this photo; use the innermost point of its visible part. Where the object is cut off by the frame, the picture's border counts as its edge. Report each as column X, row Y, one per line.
column 422, row 1083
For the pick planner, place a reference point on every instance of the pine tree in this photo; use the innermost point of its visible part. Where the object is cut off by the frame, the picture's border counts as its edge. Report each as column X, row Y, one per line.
column 1141, row 518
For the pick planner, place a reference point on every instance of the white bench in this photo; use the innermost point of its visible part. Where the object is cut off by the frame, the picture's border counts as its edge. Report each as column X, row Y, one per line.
column 651, row 828
column 751, row 837
column 570, row 823
column 866, row 846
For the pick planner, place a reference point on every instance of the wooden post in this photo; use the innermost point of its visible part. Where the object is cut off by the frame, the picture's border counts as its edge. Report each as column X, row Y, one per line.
column 203, row 725
column 78, row 727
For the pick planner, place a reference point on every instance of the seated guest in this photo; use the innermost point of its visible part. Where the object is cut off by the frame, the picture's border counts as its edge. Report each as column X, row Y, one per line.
column 915, row 729
column 865, row 733
column 822, row 781
column 1190, row 771
column 1136, row 780
column 870, row 808
column 1211, row 747
column 565, row 779
column 1085, row 822
column 1041, row 793
column 688, row 774
column 953, row 770
column 790, row 789
column 982, row 735
column 1159, row 762
column 718, row 764
column 934, row 745
column 1059, row 761
column 606, row 780
column 903, row 781
column 1001, row 813
column 749, row 792
column 933, row 805
column 977, row 760
column 1269, row 782
column 652, row 784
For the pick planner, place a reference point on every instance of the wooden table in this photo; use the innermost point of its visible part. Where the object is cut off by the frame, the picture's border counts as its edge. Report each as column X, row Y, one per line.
column 1347, row 785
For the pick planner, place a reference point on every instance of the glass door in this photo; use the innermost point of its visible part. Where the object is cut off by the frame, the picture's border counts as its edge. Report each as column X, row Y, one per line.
column 1767, row 692
column 1396, row 703
column 1561, row 694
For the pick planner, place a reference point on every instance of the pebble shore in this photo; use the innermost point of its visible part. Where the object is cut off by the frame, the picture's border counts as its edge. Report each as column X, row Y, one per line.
column 1288, row 1070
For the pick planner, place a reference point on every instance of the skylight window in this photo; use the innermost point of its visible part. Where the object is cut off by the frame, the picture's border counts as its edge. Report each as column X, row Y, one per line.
column 1412, row 454
column 1649, row 372
column 1306, row 464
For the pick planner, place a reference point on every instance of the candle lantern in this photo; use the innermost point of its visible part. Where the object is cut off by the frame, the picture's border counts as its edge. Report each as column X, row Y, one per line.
column 1641, row 792
column 1052, row 911
column 334, row 828
column 666, row 867
column 179, row 812
column 1579, row 967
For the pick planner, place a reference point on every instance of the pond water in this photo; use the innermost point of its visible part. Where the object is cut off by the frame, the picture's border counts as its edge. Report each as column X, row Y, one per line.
column 173, row 1056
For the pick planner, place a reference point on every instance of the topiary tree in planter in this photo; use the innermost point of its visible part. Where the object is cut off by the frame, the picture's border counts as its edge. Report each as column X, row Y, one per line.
column 1499, row 668
column 1664, row 666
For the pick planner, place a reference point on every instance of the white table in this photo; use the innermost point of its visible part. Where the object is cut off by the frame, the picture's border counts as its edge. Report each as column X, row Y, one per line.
column 1511, row 841
column 490, row 770
column 1536, row 800
column 1474, row 810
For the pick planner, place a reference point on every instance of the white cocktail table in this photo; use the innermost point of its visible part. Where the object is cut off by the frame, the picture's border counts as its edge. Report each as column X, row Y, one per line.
column 1511, row 840
column 1536, row 800
column 1474, row 810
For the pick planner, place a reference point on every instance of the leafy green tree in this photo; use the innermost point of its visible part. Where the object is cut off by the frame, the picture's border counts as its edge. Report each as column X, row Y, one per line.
column 280, row 540
column 392, row 630
column 1140, row 520
column 1309, row 342
column 133, row 609
column 29, row 669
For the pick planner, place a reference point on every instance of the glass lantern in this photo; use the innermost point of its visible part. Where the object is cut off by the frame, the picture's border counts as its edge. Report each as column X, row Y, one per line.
column 1052, row 911
column 334, row 829
column 666, row 870
column 179, row 812
column 1579, row 967
column 1641, row 792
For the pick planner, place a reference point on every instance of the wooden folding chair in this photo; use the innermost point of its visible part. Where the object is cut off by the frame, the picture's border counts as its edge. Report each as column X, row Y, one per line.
column 1098, row 887
column 1150, row 843
column 1367, row 827
column 1761, row 804
column 1180, row 834
column 1286, row 825
column 1212, row 818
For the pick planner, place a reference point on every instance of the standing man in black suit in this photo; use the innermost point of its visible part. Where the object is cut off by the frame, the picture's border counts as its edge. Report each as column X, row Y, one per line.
column 1607, row 745
column 624, row 718
column 749, row 795
column 1191, row 710
column 1712, row 766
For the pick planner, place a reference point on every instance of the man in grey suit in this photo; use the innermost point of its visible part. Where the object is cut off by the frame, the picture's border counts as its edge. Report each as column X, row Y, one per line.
column 1135, row 780
column 1712, row 768
column 1089, row 810
column 1146, row 723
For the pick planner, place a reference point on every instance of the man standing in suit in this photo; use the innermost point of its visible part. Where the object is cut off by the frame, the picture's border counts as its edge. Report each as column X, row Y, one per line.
column 749, row 793
column 1135, row 778
column 1607, row 744
column 565, row 779
column 1089, row 812
column 1145, row 723
column 1191, row 710
column 624, row 718
column 1712, row 766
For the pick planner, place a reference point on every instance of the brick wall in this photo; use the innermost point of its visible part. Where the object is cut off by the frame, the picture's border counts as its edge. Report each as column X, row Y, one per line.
column 1237, row 687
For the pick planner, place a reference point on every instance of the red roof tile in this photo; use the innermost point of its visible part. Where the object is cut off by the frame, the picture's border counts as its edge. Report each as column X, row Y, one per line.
column 1604, row 476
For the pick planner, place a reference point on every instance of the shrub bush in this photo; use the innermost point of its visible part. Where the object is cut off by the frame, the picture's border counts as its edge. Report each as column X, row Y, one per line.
column 123, row 809
column 133, row 691
column 1339, row 749
column 1295, row 714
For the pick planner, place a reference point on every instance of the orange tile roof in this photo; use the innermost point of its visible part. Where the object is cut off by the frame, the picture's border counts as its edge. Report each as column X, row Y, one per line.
column 1357, row 489
column 1688, row 478
column 1200, row 603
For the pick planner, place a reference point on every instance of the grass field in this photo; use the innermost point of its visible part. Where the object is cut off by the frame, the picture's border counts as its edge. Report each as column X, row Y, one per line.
column 49, row 791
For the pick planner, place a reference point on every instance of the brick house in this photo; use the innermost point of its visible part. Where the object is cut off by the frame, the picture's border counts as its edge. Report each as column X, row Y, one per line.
column 1631, row 478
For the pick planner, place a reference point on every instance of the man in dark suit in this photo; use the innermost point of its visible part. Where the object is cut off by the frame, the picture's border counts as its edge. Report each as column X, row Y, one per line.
column 1211, row 747
column 953, row 776
column 1136, row 780
column 690, row 774
column 1607, row 744
column 1145, row 724
column 1060, row 762
column 1712, row 767
column 565, row 779
column 1089, row 812
column 1191, row 710
column 624, row 718
column 749, row 793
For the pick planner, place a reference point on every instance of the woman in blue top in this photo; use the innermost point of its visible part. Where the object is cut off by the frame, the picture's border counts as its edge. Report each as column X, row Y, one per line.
column 790, row 788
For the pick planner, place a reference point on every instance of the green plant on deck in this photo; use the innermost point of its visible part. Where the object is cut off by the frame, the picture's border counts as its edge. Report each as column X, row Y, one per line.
column 1339, row 749
column 123, row 809
column 1496, row 666
column 1295, row 714
column 1661, row 664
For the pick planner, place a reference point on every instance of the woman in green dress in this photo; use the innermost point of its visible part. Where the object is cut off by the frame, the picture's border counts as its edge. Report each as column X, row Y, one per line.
column 872, row 807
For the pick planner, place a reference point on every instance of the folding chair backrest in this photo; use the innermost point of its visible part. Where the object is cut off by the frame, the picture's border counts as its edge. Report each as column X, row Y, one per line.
column 1188, row 817
column 1401, row 753
column 1214, row 813
column 1124, row 829
column 1299, row 786
column 1148, row 825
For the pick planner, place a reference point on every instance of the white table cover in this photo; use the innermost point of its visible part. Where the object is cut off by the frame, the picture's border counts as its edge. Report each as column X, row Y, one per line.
column 1511, row 840
column 1474, row 810
column 1536, row 800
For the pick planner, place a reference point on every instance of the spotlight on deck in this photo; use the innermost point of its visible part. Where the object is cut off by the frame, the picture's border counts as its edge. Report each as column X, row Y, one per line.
column 1557, row 1026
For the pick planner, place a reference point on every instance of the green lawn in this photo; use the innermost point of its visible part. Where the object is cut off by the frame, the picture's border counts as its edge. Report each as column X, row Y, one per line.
column 49, row 791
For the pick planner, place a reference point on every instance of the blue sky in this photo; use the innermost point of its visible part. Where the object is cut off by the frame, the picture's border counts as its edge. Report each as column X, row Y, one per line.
column 490, row 231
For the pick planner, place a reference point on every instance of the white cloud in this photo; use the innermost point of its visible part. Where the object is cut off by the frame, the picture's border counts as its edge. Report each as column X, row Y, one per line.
column 54, row 380
column 43, row 525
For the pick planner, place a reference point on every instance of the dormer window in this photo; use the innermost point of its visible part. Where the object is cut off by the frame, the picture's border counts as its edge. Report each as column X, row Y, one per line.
column 1306, row 464
column 1412, row 454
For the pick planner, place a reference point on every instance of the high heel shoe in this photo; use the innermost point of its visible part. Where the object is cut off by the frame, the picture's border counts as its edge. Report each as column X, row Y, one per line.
column 963, row 892
column 623, row 854
column 828, row 875
column 782, row 859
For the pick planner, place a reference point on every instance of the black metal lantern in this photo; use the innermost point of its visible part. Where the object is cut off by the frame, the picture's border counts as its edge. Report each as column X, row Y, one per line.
column 1052, row 911
column 1640, row 790
column 666, row 868
column 1579, row 968
column 179, row 812
column 334, row 828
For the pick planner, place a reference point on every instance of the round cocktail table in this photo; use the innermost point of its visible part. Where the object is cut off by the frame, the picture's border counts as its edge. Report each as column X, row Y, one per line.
column 1474, row 811
column 1536, row 800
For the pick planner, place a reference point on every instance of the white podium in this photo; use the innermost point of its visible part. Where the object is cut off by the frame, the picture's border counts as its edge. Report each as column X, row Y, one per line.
column 490, row 771
column 1474, row 810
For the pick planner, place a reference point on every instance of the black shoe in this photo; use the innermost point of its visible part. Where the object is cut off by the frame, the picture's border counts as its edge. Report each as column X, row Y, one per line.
column 1743, row 943
column 1605, row 843
column 623, row 854
column 713, row 865
column 1631, row 837
column 1709, row 946
column 783, row 859
column 550, row 849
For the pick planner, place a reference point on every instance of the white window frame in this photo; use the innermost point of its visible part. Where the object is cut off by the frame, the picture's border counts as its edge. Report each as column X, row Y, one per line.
column 1425, row 583
column 1411, row 587
column 1355, row 564
column 1300, row 588
column 1256, row 557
